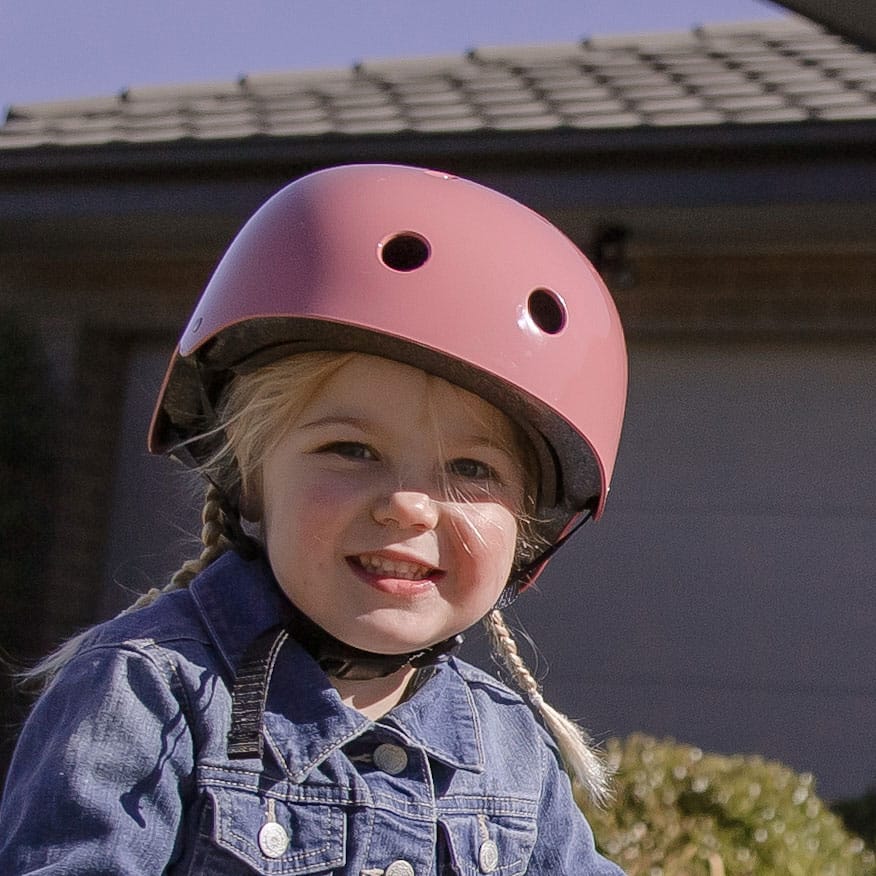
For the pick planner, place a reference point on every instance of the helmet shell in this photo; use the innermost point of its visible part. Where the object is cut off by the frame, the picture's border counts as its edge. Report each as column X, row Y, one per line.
column 431, row 270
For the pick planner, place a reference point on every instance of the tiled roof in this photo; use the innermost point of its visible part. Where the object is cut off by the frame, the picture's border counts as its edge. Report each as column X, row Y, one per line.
column 783, row 70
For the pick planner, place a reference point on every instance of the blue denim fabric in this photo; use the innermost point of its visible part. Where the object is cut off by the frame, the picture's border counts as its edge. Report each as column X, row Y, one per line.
column 122, row 767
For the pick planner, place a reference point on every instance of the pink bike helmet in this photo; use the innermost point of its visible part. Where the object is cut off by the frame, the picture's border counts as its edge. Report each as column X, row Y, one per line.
column 433, row 271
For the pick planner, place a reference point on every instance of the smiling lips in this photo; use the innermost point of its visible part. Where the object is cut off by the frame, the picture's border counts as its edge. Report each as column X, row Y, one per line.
column 385, row 567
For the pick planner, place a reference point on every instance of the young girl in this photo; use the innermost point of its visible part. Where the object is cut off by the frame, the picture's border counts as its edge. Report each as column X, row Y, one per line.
column 404, row 391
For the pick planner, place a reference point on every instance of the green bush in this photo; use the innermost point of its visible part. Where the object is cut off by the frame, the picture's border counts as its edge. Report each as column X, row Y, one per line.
column 680, row 812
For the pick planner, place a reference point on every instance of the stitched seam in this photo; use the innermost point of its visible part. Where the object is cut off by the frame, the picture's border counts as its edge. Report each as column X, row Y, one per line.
column 186, row 704
column 319, row 797
column 246, row 848
column 301, row 775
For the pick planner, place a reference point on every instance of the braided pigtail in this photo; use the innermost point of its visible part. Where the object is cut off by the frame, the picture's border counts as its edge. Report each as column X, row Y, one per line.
column 584, row 765
column 215, row 541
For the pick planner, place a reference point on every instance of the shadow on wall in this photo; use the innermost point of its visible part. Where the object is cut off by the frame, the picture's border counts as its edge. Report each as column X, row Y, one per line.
column 28, row 423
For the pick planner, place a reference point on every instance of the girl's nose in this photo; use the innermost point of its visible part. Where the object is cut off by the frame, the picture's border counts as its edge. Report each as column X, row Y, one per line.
column 406, row 510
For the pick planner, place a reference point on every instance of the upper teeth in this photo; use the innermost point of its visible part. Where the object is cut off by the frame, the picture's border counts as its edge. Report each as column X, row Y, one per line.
column 397, row 568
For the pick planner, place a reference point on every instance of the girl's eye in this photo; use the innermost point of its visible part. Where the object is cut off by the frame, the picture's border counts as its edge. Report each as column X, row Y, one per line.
column 473, row 469
column 349, row 450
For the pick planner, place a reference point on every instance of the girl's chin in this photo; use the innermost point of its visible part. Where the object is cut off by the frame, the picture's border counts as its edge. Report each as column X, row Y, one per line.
column 390, row 647
column 384, row 642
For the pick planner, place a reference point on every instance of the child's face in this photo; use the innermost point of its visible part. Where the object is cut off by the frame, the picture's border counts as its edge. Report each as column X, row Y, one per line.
column 390, row 507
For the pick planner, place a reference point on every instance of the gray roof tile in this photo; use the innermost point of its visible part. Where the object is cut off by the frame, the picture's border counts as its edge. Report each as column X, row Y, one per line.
column 433, row 91
column 607, row 120
column 588, row 89
column 156, row 134
column 434, row 113
column 283, row 127
column 740, row 88
column 675, row 105
column 655, row 91
column 769, row 29
column 516, row 122
column 779, row 71
column 650, row 41
column 407, row 69
column 228, row 131
column 801, row 88
column 759, row 115
column 674, row 119
column 830, row 101
column 293, row 81
column 789, row 80
column 453, row 124
column 845, row 113
column 590, row 107
column 531, row 55
column 750, row 102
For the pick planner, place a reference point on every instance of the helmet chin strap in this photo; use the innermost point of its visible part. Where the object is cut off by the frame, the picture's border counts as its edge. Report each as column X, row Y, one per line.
column 337, row 659
column 340, row 660
column 522, row 578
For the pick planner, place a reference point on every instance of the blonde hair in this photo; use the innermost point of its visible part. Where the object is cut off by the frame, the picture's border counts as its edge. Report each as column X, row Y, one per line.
column 254, row 413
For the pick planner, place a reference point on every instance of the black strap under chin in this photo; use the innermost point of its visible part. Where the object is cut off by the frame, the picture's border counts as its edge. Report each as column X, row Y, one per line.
column 249, row 694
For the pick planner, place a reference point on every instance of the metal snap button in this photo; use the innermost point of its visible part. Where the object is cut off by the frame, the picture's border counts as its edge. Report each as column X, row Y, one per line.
column 272, row 837
column 392, row 759
column 273, row 840
column 488, row 856
column 399, row 868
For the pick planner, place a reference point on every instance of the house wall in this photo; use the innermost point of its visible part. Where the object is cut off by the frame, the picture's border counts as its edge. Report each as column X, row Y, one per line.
column 726, row 599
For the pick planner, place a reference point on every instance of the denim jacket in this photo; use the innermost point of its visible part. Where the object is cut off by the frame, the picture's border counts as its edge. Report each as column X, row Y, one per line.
column 123, row 768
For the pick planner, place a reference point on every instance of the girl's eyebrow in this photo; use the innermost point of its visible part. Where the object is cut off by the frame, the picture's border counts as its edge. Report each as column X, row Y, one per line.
column 479, row 442
column 330, row 420
column 482, row 441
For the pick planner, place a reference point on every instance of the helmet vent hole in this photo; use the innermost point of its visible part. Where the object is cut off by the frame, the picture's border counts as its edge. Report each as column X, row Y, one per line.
column 547, row 311
column 404, row 252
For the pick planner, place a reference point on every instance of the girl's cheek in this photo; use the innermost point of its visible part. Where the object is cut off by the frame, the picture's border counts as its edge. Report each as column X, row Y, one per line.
column 486, row 525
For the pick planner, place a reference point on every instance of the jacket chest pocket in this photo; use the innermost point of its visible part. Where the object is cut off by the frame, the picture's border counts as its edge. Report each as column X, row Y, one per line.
column 273, row 836
column 494, row 846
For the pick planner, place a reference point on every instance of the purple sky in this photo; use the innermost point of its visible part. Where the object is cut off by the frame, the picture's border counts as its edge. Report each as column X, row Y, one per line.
column 61, row 49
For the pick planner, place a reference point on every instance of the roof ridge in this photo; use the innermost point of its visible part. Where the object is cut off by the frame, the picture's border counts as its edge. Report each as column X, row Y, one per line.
column 780, row 71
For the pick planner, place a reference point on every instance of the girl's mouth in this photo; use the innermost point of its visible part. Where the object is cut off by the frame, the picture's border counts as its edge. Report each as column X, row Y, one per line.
column 393, row 568
column 386, row 573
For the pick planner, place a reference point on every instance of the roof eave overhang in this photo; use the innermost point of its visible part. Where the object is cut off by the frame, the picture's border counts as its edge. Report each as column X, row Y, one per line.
column 267, row 155
column 853, row 19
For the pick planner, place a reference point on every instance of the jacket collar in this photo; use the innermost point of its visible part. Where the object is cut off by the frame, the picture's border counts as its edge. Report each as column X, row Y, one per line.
column 441, row 717
column 237, row 600
column 301, row 693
